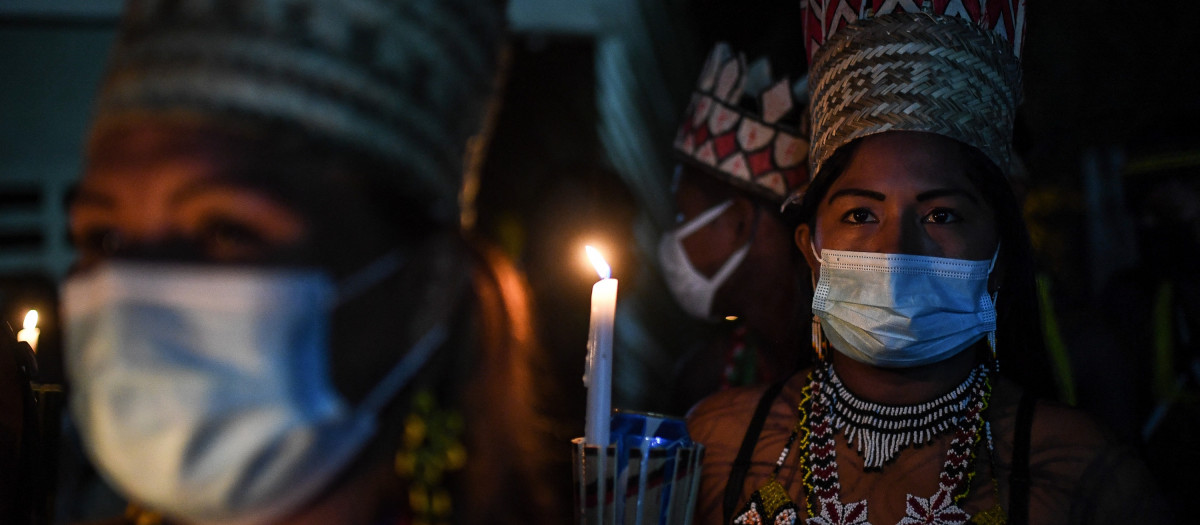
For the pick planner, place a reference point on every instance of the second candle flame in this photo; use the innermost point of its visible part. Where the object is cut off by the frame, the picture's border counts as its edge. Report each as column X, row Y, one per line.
column 602, row 267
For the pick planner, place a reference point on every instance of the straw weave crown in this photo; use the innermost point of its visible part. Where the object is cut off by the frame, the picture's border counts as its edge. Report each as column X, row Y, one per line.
column 950, row 67
column 403, row 82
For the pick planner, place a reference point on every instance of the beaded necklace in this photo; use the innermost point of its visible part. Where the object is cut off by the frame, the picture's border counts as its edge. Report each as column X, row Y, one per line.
column 881, row 431
column 814, row 434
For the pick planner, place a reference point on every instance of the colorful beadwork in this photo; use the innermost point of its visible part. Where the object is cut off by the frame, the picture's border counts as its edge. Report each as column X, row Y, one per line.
column 814, row 436
column 881, row 431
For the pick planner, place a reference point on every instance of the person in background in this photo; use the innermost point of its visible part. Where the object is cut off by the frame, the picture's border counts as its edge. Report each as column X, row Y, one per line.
column 731, row 255
column 921, row 407
column 274, row 317
column 1150, row 315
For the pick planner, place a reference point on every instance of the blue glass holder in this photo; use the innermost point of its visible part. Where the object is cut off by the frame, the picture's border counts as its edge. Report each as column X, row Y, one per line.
column 649, row 474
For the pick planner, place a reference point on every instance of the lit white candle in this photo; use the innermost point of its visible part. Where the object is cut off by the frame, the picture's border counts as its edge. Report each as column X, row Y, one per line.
column 29, row 331
column 598, row 377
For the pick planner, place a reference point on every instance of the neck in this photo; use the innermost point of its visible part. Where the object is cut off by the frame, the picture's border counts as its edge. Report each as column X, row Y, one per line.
column 903, row 386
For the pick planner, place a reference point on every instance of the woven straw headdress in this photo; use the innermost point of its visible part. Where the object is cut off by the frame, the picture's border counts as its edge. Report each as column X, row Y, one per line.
column 403, row 82
column 760, row 148
column 950, row 67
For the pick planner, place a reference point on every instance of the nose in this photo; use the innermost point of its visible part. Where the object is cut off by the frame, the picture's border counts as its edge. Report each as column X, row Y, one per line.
column 903, row 236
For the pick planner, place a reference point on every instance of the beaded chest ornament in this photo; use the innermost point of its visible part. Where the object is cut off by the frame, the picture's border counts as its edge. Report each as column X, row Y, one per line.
column 814, row 434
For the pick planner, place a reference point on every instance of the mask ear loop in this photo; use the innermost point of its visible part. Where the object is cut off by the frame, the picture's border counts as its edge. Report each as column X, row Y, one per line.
column 991, row 337
column 819, row 345
column 702, row 220
column 817, row 254
column 368, row 276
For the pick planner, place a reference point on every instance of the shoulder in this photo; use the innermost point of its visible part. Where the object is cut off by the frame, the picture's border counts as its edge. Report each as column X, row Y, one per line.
column 721, row 418
column 1062, row 428
column 720, row 421
column 1059, row 436
column 1078, row 471
column 1103, row 479
column 715, row 414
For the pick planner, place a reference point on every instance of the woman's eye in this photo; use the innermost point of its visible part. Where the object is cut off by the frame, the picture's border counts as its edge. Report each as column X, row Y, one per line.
column 942, row 216
column 859, row 216
column 225, row 239
column 96, row 240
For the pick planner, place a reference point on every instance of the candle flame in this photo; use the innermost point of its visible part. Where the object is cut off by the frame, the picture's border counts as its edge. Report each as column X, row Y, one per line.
column 31, row 320
column 602, row 267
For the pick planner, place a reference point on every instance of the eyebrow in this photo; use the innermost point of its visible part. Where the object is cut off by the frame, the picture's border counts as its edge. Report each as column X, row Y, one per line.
column 921, row 197
column 856, row 192
column 205, row 185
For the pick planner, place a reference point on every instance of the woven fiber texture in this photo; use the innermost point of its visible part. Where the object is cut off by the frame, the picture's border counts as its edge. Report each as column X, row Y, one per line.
column 914, row 72
column 401, row 81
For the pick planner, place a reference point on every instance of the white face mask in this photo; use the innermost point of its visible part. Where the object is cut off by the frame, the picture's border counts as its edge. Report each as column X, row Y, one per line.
column 892, row 310
column 692, row 290
column 204, row 392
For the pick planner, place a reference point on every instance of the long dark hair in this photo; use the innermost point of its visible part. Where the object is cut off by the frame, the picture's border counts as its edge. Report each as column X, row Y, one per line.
column 1020, row 346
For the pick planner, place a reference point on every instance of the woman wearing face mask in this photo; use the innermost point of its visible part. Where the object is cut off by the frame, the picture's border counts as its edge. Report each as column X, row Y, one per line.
column 274, row 318
column 922, row 406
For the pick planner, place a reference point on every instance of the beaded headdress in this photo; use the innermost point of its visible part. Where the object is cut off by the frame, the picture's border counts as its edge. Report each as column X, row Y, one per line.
column 757, row 145
column 950, row 67
column 402, row 82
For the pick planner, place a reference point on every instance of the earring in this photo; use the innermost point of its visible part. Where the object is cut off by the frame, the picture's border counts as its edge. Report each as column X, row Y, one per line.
column 818, row 342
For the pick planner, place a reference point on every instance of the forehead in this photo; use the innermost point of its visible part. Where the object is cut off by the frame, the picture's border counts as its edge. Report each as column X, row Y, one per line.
column 131, row 157
column 900, row 161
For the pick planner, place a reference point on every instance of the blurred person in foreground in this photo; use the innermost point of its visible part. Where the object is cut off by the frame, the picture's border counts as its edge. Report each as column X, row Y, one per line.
column 923, row 405
column 274, row 317
column 741, row 151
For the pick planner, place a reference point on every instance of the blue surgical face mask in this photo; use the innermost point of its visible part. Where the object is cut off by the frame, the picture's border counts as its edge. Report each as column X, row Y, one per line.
column 893, row 310
column 692, row 290
column 204, row 392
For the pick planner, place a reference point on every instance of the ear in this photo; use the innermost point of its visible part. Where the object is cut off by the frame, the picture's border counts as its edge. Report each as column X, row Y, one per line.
column 803, row 238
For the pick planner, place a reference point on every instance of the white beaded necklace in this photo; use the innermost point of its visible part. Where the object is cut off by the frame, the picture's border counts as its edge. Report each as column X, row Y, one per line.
column 880, row 431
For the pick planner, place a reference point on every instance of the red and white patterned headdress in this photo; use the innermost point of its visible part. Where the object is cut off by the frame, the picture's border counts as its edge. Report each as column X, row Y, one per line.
column 950, row 67
column 760, row 151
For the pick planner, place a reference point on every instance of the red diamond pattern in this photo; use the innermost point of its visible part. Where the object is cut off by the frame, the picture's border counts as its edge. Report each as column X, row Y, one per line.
column 822, row 18
column 726, row 144
column 760, row 161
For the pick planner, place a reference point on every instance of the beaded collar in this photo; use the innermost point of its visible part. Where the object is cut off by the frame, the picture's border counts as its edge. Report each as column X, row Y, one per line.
column 820, row 421
column 881, row 431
